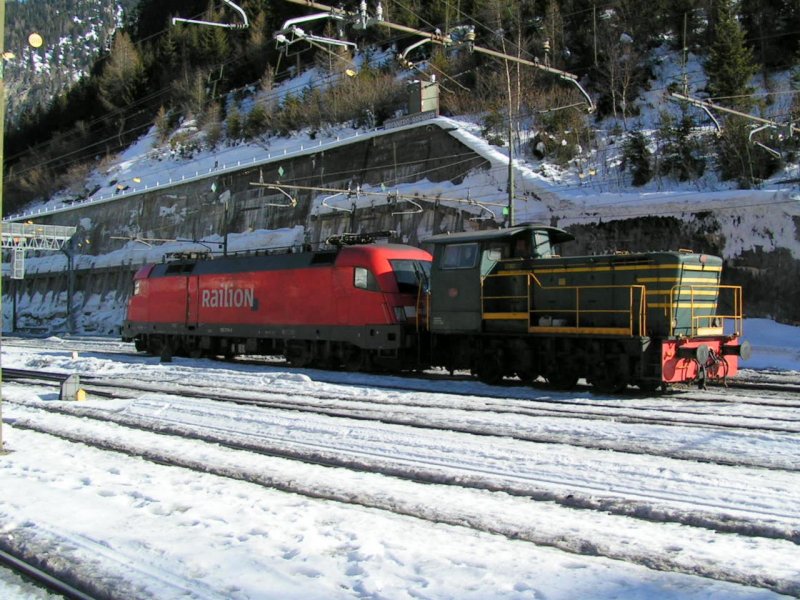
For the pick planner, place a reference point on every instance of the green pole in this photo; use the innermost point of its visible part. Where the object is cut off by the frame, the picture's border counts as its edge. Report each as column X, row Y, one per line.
column 2, row 170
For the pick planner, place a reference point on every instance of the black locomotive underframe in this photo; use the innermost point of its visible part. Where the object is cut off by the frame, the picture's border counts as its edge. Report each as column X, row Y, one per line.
column 385, row 345
column 606, row 361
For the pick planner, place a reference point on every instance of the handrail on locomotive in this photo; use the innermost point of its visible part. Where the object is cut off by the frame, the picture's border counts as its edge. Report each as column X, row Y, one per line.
column 715, row 322
column 636, row 311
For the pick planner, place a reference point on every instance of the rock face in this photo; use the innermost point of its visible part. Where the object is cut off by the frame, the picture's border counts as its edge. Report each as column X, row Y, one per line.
column 758, row 239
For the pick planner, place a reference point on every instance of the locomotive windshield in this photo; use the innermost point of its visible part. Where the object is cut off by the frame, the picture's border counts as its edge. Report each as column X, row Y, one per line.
column 536, row 244
column 411, row 274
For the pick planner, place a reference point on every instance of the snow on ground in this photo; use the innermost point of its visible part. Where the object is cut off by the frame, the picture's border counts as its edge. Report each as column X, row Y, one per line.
column 775, row 346
column 148, row 530
column 238, row 540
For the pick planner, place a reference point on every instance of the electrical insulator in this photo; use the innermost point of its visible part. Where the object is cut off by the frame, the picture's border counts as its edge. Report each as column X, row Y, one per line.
column 470, row 39
column 379, row 12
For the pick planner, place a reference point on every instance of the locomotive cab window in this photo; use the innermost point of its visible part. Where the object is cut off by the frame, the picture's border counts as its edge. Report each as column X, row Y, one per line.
column 542, row 245
column 460, row 256
column 534, row 245
column 411, row 274
column 491, row 256
column 363, row 279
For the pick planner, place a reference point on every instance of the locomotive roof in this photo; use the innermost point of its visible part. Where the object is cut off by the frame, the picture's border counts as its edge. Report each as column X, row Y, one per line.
column 242, row 263
column 557, row 236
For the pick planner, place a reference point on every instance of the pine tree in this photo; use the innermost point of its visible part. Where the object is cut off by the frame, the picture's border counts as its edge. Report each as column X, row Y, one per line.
column 121, row 79
column 730, row 63
column 256, row 122
column 681, row 154
column 233, row 124
column 636, row 158
column 162, row 124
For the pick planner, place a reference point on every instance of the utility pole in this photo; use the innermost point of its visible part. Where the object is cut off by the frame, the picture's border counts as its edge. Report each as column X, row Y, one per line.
column 510, row 208
column 594, row 31
column 225, row 197
column 708, row 106
column 69, row 251
column 685, row 57
column 2, row 162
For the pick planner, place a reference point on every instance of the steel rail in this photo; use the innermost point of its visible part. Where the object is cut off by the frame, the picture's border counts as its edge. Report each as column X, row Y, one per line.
column 588, row 410
column 644, row 509
column 41, row 577
column 377, row 413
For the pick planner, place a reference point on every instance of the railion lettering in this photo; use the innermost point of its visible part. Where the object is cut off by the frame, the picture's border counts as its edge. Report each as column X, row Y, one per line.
column 228, row 297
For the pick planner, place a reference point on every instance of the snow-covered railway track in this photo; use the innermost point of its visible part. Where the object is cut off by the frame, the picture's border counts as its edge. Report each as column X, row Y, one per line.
column 749, row 391
column 782, row 393
column 11, row 557
column 704, row 410
column 431, row 461
column 97, row 345
column 761, row 559
column 506, row 419
column 370, row 407
column 85, row 568
column 760, row 386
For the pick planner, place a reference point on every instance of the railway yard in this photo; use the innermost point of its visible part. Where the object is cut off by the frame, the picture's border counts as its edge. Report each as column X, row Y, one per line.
column 250, row 479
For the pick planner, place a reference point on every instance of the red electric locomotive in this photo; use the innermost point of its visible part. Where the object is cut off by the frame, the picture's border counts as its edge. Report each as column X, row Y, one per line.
column 354, row 306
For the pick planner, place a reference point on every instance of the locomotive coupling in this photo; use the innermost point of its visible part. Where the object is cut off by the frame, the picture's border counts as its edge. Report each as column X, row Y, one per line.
column 743, row 350
column 700, row 353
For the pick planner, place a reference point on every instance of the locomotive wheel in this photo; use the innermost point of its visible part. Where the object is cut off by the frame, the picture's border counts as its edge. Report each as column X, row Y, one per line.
column 299, row 354
column 610, row 376
column 649, row 386
column 562, row 380
column 528, row 377
column 357, row 359
column 489, row 371
column 154, row 345
column 610, row 383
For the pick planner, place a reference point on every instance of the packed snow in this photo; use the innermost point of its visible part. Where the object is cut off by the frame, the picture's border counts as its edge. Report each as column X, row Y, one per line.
column 94, row 495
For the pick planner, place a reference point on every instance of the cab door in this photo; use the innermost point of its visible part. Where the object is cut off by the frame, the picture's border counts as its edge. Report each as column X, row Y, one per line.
column 456, row 288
